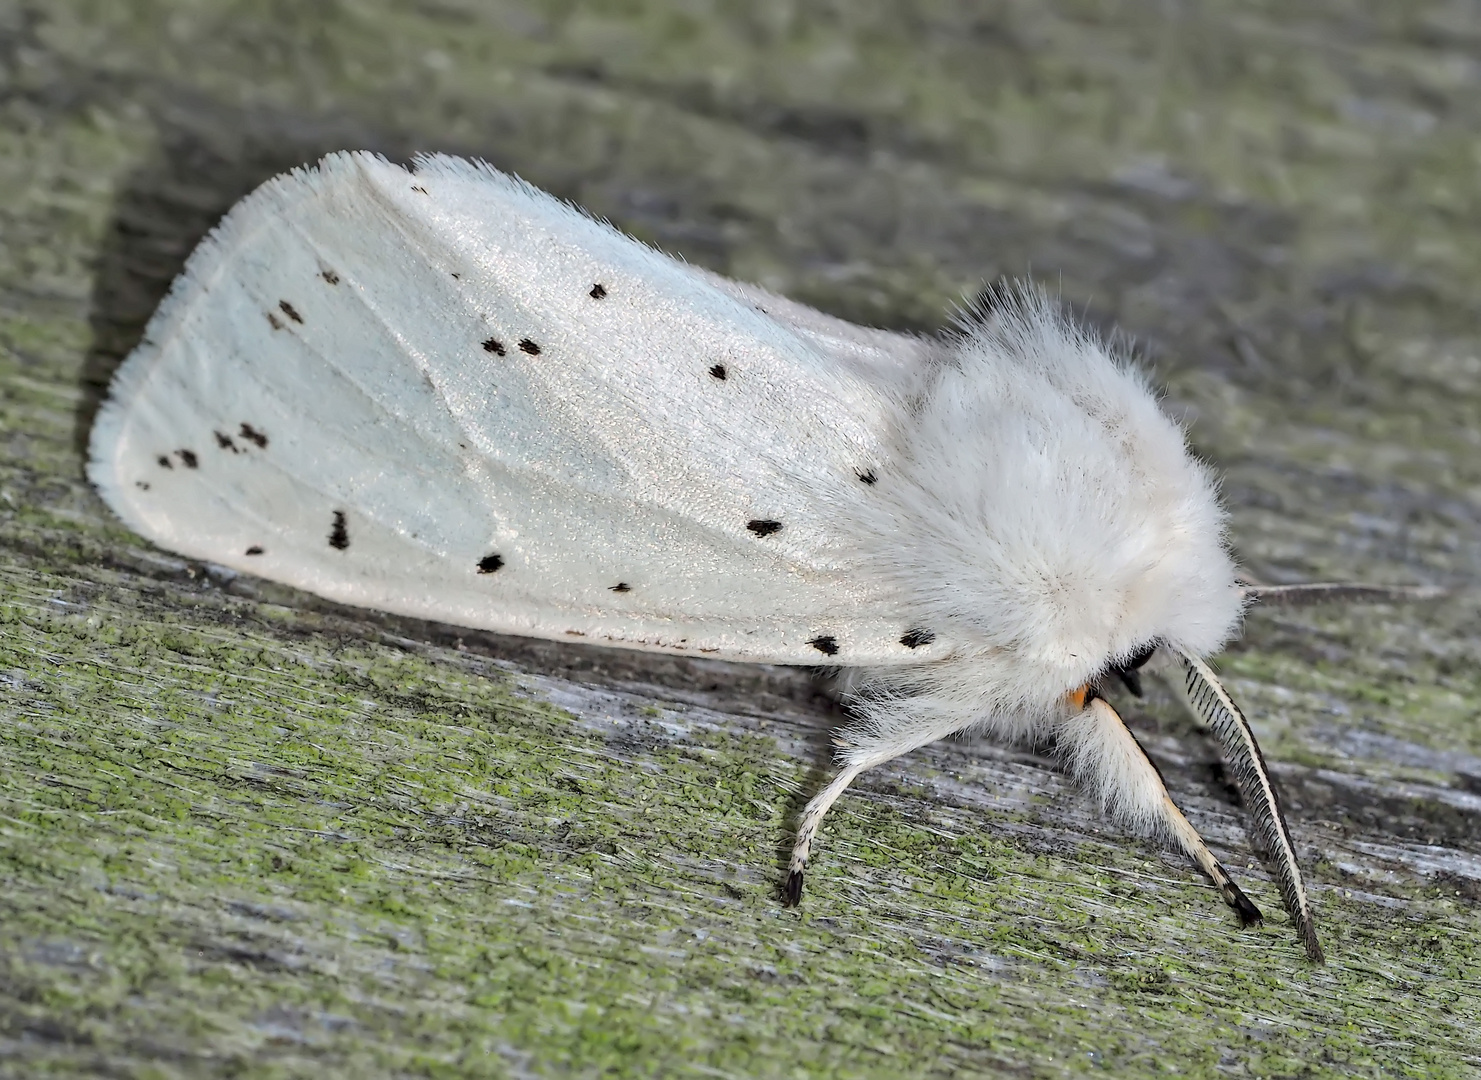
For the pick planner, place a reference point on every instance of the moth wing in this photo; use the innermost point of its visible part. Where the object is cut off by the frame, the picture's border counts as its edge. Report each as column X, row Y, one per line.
column 449, row 395
column 885, row 358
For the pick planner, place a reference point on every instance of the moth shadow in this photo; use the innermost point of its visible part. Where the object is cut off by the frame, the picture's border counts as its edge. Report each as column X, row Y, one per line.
column 207, row 157
column 806, row 699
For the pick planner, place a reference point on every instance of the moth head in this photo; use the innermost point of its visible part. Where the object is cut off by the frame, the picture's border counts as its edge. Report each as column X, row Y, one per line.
column 1126, row 671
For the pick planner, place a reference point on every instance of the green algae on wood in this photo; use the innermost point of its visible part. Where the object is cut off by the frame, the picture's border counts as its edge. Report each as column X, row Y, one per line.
column 248, row 832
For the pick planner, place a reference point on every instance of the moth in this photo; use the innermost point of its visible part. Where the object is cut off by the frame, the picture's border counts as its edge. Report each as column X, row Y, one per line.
column 446, row 394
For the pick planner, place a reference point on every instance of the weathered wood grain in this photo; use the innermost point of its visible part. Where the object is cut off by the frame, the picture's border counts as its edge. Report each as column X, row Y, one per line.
column 243, row 832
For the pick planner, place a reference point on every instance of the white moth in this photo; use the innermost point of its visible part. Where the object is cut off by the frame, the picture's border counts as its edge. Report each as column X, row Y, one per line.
column 446, row 394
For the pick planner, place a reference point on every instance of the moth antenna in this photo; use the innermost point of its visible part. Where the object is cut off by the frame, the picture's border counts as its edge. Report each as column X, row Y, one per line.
column 1213, row 705
column 1325, row 592
column 1103, row 751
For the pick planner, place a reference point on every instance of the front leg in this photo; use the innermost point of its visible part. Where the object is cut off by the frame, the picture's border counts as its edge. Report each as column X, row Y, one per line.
column 1102, row 753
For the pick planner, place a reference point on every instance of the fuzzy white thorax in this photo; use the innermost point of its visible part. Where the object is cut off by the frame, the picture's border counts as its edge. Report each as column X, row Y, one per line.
column 1044, row 514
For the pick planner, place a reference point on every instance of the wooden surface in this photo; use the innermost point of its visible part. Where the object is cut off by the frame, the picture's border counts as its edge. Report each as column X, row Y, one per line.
column 247, row 833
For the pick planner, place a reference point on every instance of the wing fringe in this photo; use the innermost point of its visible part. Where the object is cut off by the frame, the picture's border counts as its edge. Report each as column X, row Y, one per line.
column 1217, row 709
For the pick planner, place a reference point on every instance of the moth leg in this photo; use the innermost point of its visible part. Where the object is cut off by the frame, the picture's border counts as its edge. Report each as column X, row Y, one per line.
column 807, row 828
column 1102, row 751
column 861, row 754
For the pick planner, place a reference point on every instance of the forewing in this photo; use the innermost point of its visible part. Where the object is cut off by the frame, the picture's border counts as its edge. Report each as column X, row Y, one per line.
column 449, row 395
column 888, row 361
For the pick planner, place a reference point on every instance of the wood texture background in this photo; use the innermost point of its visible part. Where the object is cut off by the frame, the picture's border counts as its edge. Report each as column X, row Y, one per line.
column 247, row 833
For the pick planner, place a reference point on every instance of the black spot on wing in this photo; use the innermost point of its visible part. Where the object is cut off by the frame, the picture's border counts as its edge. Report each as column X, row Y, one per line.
column 495, row 346
column 621, row 586
column 164, row 462
column 274, row 320
column 289, row 310
column 142, row 485
column 490, row 563
column 719, row 372
column 528, row 346
column 339, row 534
column 598, row 291
column 764, row 526
column 189, row 458
column 254, row 550
column 329, row 276
column 419, row 189
column 826, row 644
column 866, row 476
column 251, row 434
column 916, row 637
column 224, row 441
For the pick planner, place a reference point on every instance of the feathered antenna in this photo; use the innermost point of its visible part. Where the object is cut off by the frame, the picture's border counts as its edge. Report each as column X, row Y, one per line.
column 1216, row 708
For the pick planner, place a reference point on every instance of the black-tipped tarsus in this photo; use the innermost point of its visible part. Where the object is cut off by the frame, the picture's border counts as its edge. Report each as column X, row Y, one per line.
column 1249, row 914
column 792, row 893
